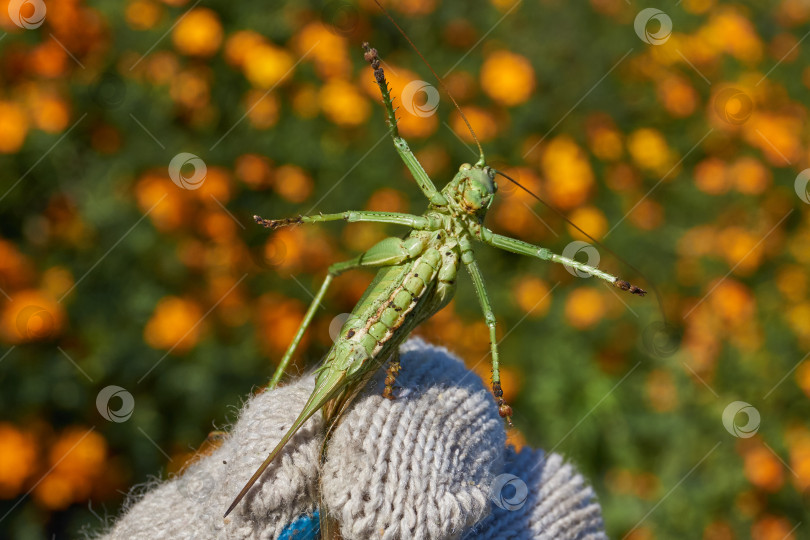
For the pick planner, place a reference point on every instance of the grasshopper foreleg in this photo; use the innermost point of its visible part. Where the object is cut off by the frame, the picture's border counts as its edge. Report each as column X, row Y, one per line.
column 520, row 247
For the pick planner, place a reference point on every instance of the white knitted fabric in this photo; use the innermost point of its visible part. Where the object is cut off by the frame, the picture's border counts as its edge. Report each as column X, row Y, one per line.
column 420, row 466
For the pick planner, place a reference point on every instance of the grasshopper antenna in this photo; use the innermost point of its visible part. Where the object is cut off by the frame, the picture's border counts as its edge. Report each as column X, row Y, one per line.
column 554, row 209
column 481, row 159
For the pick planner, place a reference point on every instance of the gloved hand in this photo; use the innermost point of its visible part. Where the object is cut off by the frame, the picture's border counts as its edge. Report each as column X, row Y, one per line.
column 430, row 464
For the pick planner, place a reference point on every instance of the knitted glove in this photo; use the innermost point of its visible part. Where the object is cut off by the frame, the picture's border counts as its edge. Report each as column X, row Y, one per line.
column 430, row 464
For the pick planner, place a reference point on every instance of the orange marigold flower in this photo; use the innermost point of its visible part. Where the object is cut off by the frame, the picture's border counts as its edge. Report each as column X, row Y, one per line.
column 482, row 121
column 507, row 78
column 143, row 14
column 532, row 296
column 750, row 176
column 604, row 138
column 190, row 88
column 779, row 137
column 32, row 316
column 741, row 249
column 262, row 109
column 49, row 59
column 13, row 127
column 771, row 527
column 278, row 321
column 267, row 65
column 763, row 470
column 568, row 172
column 239, row 45
column 711, row 176
column 584, row 307
column 254, row 170
column 217, row 185
column 589, row 219
column 679, row 98
column 198, row 33
column 305, row 101
column 77, row 461
column 791, row 281
column 16, row 270
column 18, row 454
column 387, row 200
column 293, row 183
column 167, row 205
column 732, row 301
column 647, row 215
column 326, row 48
column 343, row 104
column 174, row 325
column 650, row 151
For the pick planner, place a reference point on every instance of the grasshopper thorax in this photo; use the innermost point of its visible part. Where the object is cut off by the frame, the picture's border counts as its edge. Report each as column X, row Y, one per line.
column 472, row 190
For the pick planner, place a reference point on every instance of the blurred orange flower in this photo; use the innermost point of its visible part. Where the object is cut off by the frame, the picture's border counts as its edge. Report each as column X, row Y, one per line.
column 482, row 122
column 584, row 307
column 591, row 220
column 604, row 138
column 168, row 206
column 387, row 200
column 678, row 96
column 650, row 151
column 267, row 65
column 174, row 325
column 198, row 33
column 568, row 172
column 750, row 176
column 32, row 315
column 254, row 170
column 240, row 44
column 262, row 109
column 763, row 469
column 13, row 127
column 77, row 460
column 143, row 14
column 533, row 296
column 293, row 183
column 771, row 527
column 18, row 454
column 343, row 104
column 507, row 78
column 278, row 321
column 327, row 49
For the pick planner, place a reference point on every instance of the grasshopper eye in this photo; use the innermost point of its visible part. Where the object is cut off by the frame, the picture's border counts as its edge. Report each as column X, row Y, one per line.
column 465, row 167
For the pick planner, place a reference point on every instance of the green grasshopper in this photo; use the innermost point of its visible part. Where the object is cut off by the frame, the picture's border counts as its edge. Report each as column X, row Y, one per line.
column 416, row 278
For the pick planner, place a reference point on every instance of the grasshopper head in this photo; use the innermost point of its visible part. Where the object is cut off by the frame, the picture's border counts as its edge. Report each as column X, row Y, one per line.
column 473, row 189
